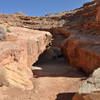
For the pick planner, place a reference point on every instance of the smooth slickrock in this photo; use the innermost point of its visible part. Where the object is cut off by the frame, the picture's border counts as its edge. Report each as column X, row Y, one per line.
column 90, row 90
column 18, row 51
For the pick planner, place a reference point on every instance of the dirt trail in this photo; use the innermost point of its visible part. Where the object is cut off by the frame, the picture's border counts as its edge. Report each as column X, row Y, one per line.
column 54, row 80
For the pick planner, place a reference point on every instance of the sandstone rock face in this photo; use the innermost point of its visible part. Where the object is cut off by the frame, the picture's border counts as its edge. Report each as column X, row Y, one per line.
column 59, row 24
column 18, row 51
column 83, row 51
column 90, row 90
column 98, row 14
column 98, row 10
column 82, row 47
column 78, row 27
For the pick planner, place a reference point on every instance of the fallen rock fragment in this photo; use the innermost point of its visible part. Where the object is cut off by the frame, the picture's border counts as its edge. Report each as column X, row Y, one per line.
column 90, row 90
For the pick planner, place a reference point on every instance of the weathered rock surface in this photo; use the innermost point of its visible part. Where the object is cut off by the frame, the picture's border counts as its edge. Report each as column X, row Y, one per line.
column 76, row 32
column 80, row 24
column 98, row 10
column 98, row 14
column 82, row 48
column 90, row 90
column 78, row 27
column 19, row 49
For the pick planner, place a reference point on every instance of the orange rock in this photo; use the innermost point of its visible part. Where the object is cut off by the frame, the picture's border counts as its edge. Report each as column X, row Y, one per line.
column 83, row 51
column 98, row 14
column 93, row 96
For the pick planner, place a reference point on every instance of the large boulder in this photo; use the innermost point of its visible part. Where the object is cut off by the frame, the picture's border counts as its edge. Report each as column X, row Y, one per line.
column 90, row 90
column 19, row 49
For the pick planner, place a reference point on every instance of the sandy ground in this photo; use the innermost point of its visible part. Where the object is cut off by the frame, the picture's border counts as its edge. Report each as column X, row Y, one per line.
column 53, row 80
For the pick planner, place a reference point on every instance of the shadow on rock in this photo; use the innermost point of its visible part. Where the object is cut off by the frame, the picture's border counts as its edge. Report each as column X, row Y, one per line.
column 56, row 68
column 65, row 96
